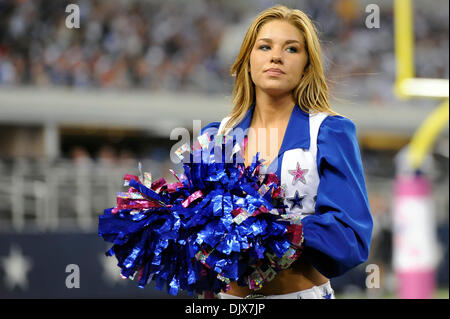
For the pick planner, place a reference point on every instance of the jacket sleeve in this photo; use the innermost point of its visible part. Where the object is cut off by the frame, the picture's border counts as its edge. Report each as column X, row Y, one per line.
column 337, row 237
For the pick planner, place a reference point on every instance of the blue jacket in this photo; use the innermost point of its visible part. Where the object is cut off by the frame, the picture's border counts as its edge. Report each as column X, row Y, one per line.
column 319, row 165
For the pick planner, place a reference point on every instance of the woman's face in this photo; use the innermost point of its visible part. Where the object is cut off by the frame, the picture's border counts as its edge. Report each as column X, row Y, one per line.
column 278, row 58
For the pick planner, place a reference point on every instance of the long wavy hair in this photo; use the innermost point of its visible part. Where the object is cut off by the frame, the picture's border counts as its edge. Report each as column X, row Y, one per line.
column 312, row 92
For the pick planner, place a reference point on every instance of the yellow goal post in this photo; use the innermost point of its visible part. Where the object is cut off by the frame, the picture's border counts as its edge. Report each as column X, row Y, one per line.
column 408, row 86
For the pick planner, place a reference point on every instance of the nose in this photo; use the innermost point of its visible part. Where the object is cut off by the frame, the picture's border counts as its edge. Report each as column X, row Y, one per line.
column 276, row 54
column 276, row 59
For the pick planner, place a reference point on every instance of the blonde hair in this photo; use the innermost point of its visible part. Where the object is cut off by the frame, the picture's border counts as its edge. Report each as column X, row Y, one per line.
column 312, row 92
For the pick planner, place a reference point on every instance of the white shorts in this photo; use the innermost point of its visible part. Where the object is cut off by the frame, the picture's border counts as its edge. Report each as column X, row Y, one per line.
column 317, row 292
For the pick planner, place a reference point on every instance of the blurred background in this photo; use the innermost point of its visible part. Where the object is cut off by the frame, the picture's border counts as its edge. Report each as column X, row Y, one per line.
column 81, row 107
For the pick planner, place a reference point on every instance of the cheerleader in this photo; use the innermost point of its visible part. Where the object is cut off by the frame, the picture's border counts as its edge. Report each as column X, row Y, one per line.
column 280, row 101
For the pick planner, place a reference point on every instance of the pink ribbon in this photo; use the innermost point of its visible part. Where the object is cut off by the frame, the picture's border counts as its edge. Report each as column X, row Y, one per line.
column 191, row 198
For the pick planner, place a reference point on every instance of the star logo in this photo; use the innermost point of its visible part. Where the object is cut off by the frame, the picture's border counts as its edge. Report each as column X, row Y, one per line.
column 327, row 295
column 296, row 200
column 299, row 174
column 111, row 272
column 16, row 267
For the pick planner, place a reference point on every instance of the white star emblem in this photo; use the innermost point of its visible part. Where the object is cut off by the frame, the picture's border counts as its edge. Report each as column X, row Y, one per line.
column 299, row 174
column 16, row 267
column 111, row 272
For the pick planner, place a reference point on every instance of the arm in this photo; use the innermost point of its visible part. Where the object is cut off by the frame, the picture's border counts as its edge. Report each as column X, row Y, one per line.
column 338, row 236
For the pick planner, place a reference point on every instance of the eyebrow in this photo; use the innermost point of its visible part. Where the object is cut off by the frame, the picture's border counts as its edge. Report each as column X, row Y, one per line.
column 287, row 41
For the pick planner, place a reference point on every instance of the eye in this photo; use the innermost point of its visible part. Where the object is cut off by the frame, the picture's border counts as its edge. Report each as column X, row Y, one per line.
column 292, row 49
column 264, row 47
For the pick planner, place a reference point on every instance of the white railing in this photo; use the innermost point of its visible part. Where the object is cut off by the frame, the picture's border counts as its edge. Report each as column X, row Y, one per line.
column 62, row 195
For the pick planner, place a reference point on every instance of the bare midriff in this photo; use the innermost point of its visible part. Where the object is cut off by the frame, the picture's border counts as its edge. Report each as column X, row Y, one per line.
column 300, row 276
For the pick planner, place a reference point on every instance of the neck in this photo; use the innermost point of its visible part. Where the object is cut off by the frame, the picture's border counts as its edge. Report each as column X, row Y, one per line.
column 270, row 110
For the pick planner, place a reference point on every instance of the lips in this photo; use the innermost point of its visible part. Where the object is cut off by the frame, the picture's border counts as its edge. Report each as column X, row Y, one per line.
column 274, row 71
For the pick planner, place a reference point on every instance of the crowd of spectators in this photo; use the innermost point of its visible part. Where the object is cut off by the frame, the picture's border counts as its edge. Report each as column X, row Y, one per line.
column 190, row 45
